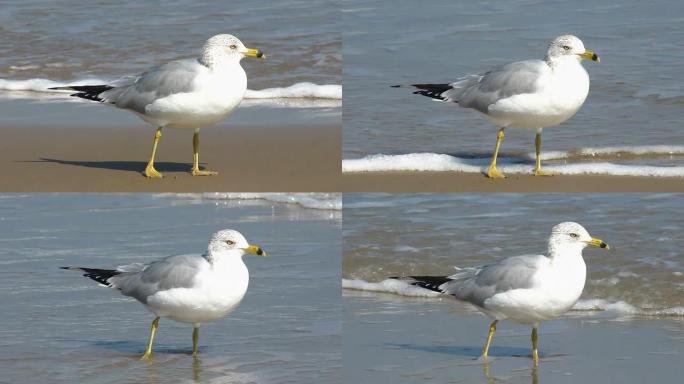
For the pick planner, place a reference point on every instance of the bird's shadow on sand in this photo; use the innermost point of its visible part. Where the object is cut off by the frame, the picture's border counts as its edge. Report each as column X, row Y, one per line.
column 466, row 351
column 131, row 166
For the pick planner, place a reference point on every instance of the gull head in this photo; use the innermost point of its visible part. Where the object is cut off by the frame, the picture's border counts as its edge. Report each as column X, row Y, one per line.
column 226, row 48
column 231, row 241
column 569, row 46
column 573, row 237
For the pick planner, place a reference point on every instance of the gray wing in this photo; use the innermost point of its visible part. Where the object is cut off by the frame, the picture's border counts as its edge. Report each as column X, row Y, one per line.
column 475, row 285
column 171, row 272
column 158, row 82
column 479, row 92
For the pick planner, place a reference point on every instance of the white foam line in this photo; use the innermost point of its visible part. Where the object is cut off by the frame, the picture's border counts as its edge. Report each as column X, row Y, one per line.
column 299, row 90
column 637, row 150
column 313, row 200
column 389, row 286
column 402, row 288
column 433, row 162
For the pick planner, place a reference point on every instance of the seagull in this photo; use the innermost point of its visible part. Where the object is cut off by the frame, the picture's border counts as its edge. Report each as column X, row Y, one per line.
column 524, row 289
column 193, row 289
column 190, row 93
column 524, row 94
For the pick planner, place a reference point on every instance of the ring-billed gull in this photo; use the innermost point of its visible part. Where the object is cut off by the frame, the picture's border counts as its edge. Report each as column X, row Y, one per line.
column 192, row 289
column 524, row 94
column 523, row 289
column 191, row 93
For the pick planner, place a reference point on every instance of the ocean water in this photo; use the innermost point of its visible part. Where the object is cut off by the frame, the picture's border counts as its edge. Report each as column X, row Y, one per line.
column 53, row 43
column 632, row 115
column 430, row 234
column 61, row 327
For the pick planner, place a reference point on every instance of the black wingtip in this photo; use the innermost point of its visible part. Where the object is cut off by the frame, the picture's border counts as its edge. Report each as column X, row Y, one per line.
column 395, row 86
column 64, row 267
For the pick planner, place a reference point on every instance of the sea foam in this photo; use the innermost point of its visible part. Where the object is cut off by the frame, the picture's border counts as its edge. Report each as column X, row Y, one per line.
column 298, row 90
column 620, row 308
column 434, row 162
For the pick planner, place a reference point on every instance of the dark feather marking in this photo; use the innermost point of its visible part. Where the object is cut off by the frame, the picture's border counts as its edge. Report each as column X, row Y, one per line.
column 89, row 92
column 99, row 275
column 428, row 282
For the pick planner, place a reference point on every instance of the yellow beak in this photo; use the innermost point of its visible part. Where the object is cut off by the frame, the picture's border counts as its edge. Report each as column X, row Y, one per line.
column 591, row 56
column 255, row 250
column 598, row 243
column 253, row 52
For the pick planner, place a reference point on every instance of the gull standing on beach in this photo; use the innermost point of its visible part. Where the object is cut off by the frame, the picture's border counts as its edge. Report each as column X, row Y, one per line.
column 524, row 94
column 192, row 289
column 191, row 93
column 523, row 289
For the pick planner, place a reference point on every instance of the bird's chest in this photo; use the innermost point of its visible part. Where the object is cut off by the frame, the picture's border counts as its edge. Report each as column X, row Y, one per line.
column 564, row 282
column 568, row 88
column 224, row 285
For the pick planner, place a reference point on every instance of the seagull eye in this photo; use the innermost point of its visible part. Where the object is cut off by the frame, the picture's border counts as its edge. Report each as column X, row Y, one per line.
column 230, row 242
column 574, row 235
column 232, row 46
column 566, row 47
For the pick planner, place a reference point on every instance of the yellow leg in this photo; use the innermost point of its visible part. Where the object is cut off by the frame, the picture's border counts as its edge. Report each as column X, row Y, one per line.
column 537, row 166
column 149, row 170
column 195, row 339
column 195, row 158
column 153, row 330
column 492, row 329
column 492, row 171
column 535, row 355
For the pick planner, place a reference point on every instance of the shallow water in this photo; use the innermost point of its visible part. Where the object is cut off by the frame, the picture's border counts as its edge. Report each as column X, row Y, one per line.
column 430, row 234
column 635, row 99
column 61, row 327
column 65, row 42
column 393, row 339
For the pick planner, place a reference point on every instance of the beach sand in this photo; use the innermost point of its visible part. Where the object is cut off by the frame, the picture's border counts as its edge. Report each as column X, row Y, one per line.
column 394, row 339
column 98, row 158
column 475, row 182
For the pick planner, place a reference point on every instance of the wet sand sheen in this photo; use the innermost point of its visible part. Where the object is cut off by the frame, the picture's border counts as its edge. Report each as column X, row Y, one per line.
column 473, row 182
column 109, row 159
column 437, row 341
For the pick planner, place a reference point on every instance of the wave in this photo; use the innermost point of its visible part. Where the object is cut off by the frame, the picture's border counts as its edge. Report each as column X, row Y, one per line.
column 434, row 162
column 621, row 308
column 299, row 90
column 312, row 200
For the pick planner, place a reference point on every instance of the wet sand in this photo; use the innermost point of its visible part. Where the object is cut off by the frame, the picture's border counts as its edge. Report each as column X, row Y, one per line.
column 474, row 182
column 110, row 159
column 399, row 340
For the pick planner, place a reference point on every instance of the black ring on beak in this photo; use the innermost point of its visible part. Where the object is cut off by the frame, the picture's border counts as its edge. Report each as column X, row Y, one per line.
column 260, row 252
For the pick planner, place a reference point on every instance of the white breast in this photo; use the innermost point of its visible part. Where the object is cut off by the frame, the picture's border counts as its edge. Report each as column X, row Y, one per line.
column 218, row 290
column 216, row 94
column 566, row 87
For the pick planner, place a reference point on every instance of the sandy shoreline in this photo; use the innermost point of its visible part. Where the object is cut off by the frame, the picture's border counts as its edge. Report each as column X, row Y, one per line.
column 109, row 159
column 473, row 182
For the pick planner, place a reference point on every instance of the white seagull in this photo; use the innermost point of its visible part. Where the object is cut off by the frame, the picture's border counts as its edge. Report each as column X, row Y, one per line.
column 523, row 289
column 191, row 93
column 524, row 94
column 191, row 289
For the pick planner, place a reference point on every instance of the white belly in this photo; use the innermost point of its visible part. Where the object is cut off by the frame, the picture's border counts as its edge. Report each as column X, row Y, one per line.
column 217, row 293
column 563, row 96
column 211, row 101
column 553, row 294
